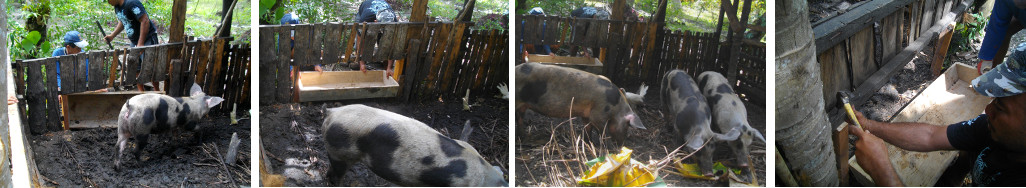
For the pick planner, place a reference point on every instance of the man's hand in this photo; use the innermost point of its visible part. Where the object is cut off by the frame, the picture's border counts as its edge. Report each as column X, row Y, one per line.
column 871, row 154
column 984, row 65
column 862, row 120
column 363, row 68
column 388, row 72
column 318, row 68
column 12, row 100
column 108, row 38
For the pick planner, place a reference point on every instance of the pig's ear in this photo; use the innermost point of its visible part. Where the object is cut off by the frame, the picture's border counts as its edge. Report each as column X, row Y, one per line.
column 196, row 90
column 635, row 121
column 213, row 101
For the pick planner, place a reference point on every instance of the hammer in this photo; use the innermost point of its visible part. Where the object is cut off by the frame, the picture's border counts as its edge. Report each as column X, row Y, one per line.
column 104, row 34
column 844, row 96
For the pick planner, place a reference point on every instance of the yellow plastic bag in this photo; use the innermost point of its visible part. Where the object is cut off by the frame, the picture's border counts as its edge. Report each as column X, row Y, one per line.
column 619, row 171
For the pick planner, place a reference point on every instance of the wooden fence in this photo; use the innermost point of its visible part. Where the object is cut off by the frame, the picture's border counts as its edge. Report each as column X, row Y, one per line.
column 226, row 76
column 855, row 56
column 629, row 59
column 432, row 59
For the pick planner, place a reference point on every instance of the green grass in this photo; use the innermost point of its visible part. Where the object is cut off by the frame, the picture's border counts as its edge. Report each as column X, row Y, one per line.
column 344, row 11
column 693, row 15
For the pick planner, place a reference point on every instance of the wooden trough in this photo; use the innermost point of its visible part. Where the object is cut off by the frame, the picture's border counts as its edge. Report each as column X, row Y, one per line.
column 947, row 100
column 592, row 65
column 342, row 85
column 96, row 109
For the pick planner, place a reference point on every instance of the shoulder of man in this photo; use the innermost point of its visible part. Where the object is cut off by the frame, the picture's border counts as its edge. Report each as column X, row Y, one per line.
column 58, row 52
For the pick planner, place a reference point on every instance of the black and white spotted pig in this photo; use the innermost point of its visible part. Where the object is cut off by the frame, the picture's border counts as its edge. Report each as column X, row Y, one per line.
column 156, row 113
column 549, row 89
column 402, row 150
column 729, row 113
column 690, row 118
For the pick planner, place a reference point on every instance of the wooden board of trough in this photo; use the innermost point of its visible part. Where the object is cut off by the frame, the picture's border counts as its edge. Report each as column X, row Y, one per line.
column 592, row 65
column 342, row 85
column 947, row 100
column 96, row 109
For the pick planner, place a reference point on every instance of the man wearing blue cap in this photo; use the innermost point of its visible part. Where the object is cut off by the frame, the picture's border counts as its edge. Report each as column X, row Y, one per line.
column 73, row 44
column 375, row 11
column 591, row 13
column 538, row 48
column 995, row 140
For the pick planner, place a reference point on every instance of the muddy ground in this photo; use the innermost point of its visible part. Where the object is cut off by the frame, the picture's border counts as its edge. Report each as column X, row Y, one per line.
column 291, row 135
column 535, row 167
column 85, row 158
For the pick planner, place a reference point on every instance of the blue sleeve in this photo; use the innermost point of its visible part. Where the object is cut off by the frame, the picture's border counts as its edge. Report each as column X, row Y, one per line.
column 970, row 135
column 996, row 29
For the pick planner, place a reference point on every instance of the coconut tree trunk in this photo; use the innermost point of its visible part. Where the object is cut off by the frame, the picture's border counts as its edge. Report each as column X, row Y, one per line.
column 802, row 133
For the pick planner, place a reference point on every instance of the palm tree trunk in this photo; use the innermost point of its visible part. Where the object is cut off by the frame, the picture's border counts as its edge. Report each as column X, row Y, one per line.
column 802, row 129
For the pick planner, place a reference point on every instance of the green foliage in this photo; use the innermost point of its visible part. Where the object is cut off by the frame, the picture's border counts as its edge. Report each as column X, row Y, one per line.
column 967, row 31
column 345, row 11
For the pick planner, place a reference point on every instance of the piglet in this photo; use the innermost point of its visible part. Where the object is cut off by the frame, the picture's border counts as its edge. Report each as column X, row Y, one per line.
column 690, row 118
column 729, row 112
column 402, row 150
column 156, row 113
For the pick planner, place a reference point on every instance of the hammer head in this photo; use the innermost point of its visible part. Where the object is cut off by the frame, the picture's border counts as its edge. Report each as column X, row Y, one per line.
column 844, row 96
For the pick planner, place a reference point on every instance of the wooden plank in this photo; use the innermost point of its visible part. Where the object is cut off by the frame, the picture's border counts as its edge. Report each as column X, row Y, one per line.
column 146, row 66
column 384, row 46
column 342, row 85
column 368, row 42
column 350, row 44
column 331, row 43
column 67, row 72
column 890, row 36
column 52, row 105
column 833, row 31
column 399, row 45
column 175, row 88
column 929, row 10
column 304, row 43
column 200, row 63
column 161, row 71
column 282, row 78
column 268, row 58
column 833, row 66
column 134, row 66
column 215, row 83
column 861, row 51
column 530, row 31
column 36, row 99
column 412, row 61
column 96, row 74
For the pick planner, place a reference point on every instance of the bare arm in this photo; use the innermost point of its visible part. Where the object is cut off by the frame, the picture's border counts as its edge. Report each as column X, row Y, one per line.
column 909, row 135
column 144, row 28
column 117, row 30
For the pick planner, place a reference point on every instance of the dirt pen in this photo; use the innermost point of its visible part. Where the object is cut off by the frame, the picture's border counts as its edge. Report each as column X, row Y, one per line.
column 69, row 153
column 550, row 151
column 440, row 67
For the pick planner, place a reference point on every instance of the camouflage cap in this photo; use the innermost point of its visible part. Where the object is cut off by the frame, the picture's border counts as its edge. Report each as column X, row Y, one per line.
column 1006, row 79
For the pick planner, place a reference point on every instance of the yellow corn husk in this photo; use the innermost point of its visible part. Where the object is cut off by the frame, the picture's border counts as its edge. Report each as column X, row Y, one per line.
column 692, row 170
column 618, row 171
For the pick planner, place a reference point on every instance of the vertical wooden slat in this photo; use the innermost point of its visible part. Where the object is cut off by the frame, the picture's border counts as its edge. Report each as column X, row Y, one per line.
column 283, row 76
column 412, row 61
column 52, row 106
column 146, row 65
column 36, row 99
column 161, row 71
column 331, row 43
column 67, row 72
column 268, row 58
column 370, row 37
column 349, row 46
column 304, row 43
column 96, row 78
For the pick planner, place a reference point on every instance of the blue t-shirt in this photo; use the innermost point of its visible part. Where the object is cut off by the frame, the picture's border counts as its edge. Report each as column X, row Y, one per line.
column 992, row 166
column 129, row 14
column 369, row 10
column 60, row 52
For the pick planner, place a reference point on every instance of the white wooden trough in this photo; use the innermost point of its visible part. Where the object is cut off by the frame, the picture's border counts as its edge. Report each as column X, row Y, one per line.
column 947, row 100
column 343, row 85
column 592, row 65
column 96, row 109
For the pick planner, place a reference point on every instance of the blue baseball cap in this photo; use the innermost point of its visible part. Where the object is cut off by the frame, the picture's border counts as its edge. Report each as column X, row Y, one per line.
column 536, row 11
column 1006, row 79
column 289, row 18
column 72, row 38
